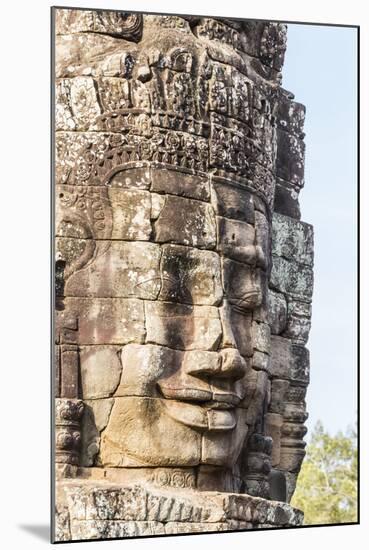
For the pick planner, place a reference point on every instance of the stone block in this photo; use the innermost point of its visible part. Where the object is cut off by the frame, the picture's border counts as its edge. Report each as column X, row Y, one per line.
column 278, row 396
column 291, row 459
column 182, row 326
column 131, row 210
column 261, row 361
column 100, row 371
column 300, row 364
column 178, row 528
column 232, row 202
column 298, row 321
column 186, row 221
column 242, row 285
column 286, row 199
column 281, row 357
column 122, row 269
column 291, row 117
column 69, row 371
column 262, row 240
column 90, row 438
column 101, row 409
column 144, row 366
column 291, row 480
column 71, row 254
column 76, row 104
column 223, row 446
column 293, row 433
column 293, row 239
column 157, row 203
column 257, row 392
column 290, row 158
column 107, row 320
column 292, row 278
column 295, row 412
column 236, row 240
column 296, row 393
column 174, row 182
column 190, row 276
column 261, row 337
column 156, row 371
column 277, row 312
column 273, row 425
column 70, row 21
column 106, row 510
column 132, row 178
column 236, row 329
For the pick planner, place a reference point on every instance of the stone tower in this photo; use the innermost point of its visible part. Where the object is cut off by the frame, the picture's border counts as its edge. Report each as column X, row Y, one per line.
column 183, row 276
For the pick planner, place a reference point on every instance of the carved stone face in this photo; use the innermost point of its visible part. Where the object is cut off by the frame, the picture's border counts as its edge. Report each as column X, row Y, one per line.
column 169, row 306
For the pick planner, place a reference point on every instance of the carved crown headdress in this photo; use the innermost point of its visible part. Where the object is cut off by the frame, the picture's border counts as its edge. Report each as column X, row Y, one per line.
column 191, row 108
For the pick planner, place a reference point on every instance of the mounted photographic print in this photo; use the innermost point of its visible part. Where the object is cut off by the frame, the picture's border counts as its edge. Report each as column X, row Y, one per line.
column 184, row 282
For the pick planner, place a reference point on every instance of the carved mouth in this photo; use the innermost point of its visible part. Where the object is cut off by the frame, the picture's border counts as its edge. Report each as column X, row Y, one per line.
column 201, row 418
column 197, row 408
column 208, row 399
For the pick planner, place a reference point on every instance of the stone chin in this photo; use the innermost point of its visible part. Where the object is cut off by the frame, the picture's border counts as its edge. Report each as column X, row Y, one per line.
column 158, row 432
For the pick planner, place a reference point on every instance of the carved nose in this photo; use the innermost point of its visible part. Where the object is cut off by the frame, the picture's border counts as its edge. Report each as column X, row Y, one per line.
column 226, row 364
column 233, row 365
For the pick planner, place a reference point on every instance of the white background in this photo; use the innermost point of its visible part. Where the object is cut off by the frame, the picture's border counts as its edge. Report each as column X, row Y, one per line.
column 24, row 300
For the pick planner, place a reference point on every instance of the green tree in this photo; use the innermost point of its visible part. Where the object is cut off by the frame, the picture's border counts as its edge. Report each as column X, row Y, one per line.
column 327, row 484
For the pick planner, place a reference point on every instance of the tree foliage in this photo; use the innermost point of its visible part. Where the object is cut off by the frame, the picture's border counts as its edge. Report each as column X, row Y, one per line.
column 327, row 484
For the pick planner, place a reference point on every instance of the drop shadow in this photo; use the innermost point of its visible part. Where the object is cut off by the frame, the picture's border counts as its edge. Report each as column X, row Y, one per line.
column 40, row 531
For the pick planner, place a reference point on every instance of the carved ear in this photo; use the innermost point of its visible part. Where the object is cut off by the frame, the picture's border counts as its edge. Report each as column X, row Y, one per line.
column 83, row 214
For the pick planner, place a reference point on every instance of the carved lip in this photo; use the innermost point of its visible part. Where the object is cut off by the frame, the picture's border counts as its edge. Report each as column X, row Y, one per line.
column 207, row 398
column 204, row 419
column 199, row 409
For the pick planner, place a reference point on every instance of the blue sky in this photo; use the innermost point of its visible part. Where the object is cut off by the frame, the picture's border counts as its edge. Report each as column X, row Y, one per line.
column 320, row 69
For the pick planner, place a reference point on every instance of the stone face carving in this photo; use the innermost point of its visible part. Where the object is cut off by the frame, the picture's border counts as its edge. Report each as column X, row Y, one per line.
column 183, row 276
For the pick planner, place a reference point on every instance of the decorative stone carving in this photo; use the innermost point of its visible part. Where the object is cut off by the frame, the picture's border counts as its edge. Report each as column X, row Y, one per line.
column 183, row 276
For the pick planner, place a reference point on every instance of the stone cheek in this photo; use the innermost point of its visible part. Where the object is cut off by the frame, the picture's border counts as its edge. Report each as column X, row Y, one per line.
column 156, row 371
column 190, row 276
column 131, row 211
column 223, row 448
column 124, row 269
column 170, row 441
column 185, row 221
column 100, row 371
column 182, row 327
column 106, row 320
